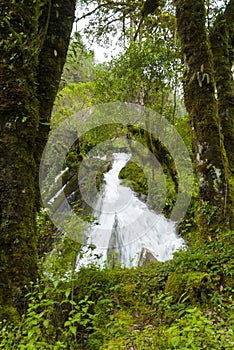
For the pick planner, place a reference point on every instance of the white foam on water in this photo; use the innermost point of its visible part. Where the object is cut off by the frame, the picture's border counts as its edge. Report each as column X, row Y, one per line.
column 125, row 225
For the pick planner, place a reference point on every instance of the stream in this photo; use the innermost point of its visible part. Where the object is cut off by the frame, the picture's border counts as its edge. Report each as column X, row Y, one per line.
column 126, row 227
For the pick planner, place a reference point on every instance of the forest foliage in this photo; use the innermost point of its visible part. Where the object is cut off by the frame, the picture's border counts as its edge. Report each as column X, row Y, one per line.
column 184, row 303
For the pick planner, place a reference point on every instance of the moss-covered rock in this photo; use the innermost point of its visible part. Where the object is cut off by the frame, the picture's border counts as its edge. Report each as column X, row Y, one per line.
column 133, row 176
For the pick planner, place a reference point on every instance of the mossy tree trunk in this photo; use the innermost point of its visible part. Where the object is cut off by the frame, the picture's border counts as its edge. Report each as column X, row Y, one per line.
column 199, row 90
column 35, row 37
column 222, row 45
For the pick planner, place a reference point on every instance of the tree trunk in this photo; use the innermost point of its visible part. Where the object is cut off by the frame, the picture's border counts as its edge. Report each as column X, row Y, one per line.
column 199, row 91
column 24, row 38
column 51, row 61
column 222, row 44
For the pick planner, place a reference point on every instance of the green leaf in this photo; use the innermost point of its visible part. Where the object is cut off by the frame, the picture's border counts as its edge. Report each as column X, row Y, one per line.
column 73, row 329
column 46, row 323
column 45, row 123
column 175, row 341
column 67, row 292
column 67, row 323
column 55, row 283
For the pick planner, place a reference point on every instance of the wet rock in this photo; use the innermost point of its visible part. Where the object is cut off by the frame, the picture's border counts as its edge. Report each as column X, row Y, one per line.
column 146, row 256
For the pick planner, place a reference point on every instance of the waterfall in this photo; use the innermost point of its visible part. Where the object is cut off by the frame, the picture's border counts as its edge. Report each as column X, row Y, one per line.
column 126, row 226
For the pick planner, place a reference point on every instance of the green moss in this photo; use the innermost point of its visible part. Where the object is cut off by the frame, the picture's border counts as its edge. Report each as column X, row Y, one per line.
column 9, row 313
column 134, row 177
column 190, row 286
column 211, row 161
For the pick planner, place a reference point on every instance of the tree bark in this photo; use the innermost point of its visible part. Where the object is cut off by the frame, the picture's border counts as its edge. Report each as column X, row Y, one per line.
column 222, row 45
column 26, row 36
column 199, row 91
column 52, row 58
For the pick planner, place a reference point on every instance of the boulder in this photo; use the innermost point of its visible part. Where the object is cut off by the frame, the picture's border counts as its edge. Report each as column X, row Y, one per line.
column 145, row 257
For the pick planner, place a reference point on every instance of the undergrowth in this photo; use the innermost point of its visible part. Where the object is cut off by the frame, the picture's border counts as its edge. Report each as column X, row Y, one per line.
column 185, row 303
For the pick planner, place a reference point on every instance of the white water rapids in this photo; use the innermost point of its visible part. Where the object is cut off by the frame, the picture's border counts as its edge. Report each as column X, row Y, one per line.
column 125, row 225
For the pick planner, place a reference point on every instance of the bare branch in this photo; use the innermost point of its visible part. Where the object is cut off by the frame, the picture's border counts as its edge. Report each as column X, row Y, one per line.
column 116, row 7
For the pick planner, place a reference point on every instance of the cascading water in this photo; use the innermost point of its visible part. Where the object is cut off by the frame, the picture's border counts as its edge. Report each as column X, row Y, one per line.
column 126, row 226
